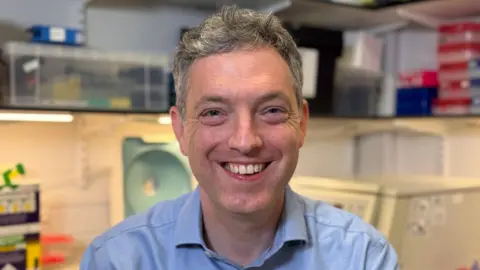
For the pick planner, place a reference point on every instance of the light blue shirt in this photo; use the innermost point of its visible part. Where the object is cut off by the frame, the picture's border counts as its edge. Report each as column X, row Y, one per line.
column 312, row 235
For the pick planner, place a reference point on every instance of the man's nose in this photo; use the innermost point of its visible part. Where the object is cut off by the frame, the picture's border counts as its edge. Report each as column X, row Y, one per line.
column 245, row 137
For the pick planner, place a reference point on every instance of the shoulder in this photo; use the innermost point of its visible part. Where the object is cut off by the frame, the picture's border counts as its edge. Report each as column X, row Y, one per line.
column 161, row 218
column 332, row 222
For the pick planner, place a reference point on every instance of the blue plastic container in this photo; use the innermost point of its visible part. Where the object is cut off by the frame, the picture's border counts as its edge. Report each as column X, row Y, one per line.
column 56, row 35
column 415, row 101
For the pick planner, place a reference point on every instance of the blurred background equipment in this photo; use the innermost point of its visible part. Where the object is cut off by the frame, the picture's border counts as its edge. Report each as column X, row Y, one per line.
column 154, row 171
column 417, row 215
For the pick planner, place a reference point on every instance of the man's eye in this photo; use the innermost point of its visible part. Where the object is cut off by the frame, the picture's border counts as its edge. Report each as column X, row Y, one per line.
column 274, row 110
column 213, row 117
column 274, row 115
column 211, row 113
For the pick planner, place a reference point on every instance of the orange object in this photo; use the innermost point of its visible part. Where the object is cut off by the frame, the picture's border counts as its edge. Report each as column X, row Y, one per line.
column 53, row 259
column 49, row 258
column 56, row 239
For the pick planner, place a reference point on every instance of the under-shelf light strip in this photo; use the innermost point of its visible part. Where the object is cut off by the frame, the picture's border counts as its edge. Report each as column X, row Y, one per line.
column 36, row 117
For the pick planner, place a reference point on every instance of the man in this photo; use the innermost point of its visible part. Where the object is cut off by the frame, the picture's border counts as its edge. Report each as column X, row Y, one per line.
column 241, row 120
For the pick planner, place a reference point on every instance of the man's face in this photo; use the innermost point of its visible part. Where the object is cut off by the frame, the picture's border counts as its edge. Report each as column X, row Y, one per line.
column 243, row 128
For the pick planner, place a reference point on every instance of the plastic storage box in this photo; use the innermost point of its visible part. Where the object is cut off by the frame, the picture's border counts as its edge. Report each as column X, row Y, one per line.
column 458, row 74
column 20, row 227
column 415, row 101
column 51, row 76
column 452, row 106
column 458, row 53
column 459, row 33
column 356, row 92
column 424, row 78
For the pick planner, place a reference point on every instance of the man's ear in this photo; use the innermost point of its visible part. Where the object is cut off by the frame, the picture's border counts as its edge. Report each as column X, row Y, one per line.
column 304, row 121
column 179, row 129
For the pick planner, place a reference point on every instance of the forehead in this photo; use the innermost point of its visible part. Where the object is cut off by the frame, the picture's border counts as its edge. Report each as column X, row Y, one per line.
column 240, row 76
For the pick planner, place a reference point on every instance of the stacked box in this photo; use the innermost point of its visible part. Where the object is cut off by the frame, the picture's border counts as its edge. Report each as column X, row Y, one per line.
column 416, row 91
column 458, row 46
column 20, row 227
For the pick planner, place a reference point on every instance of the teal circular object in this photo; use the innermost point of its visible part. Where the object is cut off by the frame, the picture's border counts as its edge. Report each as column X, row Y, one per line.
column 152, row 177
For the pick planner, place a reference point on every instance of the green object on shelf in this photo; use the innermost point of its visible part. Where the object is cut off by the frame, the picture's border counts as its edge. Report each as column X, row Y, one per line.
column 8, row 175
column 99, row 103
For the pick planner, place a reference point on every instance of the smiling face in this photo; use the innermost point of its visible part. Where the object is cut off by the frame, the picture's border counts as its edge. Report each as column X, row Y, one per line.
column 243, row 128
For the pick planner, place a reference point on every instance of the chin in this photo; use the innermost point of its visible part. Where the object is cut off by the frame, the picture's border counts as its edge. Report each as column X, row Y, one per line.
column 246, row 203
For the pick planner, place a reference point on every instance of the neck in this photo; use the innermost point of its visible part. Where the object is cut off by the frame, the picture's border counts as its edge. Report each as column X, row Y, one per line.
column 241, row 238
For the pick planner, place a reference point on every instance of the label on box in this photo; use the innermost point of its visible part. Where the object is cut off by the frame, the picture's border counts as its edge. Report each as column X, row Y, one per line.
column 57, row 34
column 13, row 260
column 20, row 251
column 310, row 70
column 19, row 206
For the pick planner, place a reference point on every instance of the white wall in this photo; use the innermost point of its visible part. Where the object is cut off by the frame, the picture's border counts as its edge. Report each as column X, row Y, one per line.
column 17, row 15
column 153, row 30
column 50, row 157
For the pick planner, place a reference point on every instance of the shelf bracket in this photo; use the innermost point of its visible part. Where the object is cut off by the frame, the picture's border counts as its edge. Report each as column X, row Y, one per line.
column 419, row 18
column 387, row 28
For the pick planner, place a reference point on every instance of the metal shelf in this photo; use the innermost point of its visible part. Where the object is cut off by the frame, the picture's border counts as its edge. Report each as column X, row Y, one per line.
column 329, row 15
column 437, row 126
column 429, row 13
column 80, row 110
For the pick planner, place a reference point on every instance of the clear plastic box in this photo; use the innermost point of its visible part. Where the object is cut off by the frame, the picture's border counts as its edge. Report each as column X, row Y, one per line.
column 50, row 76
column 356, row 92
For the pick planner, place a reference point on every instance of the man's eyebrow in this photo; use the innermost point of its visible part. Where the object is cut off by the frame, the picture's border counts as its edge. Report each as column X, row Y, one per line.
column 210, row 99
column 272, row 96
column 264, row 98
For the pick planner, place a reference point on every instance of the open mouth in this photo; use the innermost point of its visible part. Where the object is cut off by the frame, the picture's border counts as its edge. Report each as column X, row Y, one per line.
column 245, row 169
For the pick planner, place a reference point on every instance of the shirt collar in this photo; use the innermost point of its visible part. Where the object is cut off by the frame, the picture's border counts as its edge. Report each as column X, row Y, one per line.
column 188, row 230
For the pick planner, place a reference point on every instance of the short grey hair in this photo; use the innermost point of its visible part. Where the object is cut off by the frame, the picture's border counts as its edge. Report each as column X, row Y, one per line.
column 233, row 29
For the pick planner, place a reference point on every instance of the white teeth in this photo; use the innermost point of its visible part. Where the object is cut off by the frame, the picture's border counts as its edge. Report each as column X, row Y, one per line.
column 245, row 169
column 250, row 169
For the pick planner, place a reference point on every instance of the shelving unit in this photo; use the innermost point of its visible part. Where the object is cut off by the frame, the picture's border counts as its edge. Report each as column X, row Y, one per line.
column 84, row 153
column 325, row 127
column 330, row 15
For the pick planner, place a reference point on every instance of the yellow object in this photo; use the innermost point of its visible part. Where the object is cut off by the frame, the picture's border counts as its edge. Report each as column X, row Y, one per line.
column 120, row 103
column 28, row 208
column 7, row 248
column 13, row 174
column 33, row 253
column 14, row 240
column 15, row 207
column 68, row 89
